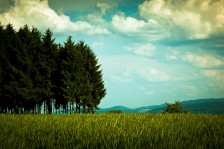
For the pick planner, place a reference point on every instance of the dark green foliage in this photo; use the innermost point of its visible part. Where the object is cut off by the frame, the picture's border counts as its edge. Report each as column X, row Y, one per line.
column 175, row 108
column 81, row 77
column 115, row 111
column 35, row 72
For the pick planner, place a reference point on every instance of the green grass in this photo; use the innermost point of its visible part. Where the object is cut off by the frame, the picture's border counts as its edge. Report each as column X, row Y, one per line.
column 112, row 131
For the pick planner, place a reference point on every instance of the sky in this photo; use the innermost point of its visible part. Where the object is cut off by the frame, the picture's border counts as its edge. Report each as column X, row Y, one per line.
column 151, row 51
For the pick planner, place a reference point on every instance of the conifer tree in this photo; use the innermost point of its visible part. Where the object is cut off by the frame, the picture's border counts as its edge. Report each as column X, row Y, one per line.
column 48, row 66
column 82, row 79
column 16, row 81
column 3, row 65
column 95, row 85
column 34, row 70
column 70, row 65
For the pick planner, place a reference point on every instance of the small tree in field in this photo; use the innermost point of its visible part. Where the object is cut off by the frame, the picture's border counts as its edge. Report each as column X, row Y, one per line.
column 115, row 111
column 175, row 108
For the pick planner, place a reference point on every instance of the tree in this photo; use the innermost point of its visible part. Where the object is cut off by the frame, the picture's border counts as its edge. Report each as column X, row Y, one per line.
column 3, row 64
column 35, row 71
column 16, row 83
column 95, row 84
column 175, row 108
column 48, row 67
column 116, row 111
column 69, row 60
column 82, row 79
column 30, row 54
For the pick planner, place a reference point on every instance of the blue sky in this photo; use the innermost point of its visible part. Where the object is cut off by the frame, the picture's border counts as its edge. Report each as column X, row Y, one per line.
column 151, row 52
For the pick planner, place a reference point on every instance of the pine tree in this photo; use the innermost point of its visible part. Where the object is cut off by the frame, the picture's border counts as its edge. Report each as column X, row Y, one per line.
column 30, row 54
column 3, row 66
column 16, row 84
column 34, row 70
column 70, row 65
column 48, row 66
column 95, row 84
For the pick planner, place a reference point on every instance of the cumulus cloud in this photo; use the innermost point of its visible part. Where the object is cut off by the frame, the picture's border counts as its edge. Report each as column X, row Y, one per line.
column 38, row 13
column 142, row 49
column 82, row 6
column 97, row 16
column 104, row 7
column 198, row 19
column 133, row 27
column 216, row 76
column 204, row 60
column 127, row 24
column 154, row 75
column 5, row 4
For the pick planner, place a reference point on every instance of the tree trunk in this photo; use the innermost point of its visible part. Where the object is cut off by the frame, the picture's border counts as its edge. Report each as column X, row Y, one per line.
column 76, row 107
column 72, row 107
column 49, row 105
column 44, row 107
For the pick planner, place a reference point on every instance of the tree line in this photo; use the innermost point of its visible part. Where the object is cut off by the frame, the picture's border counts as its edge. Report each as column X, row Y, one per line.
column 38, row 75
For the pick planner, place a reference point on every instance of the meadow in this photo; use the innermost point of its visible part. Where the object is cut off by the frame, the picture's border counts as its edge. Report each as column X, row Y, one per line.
column 112, row 131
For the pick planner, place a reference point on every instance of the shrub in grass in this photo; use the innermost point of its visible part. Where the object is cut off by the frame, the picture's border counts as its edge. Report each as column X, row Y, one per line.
column 115, row 111
column 175, row 108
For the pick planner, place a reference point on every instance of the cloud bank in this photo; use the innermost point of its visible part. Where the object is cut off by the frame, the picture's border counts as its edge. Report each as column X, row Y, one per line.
column 198, row 19
column 216, row 77
column 130, row 26
column 204, row 60
column 38, row 13
column 146, row 50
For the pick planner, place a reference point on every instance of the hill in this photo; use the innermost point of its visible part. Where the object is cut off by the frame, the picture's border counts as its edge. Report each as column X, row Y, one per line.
column 198, row 106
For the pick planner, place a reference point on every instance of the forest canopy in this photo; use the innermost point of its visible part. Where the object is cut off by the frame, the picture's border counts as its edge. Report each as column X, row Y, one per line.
column 38, row 75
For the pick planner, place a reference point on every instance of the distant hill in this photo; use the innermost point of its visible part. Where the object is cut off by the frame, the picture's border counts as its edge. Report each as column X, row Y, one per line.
column 207, row 106
column 212, row 106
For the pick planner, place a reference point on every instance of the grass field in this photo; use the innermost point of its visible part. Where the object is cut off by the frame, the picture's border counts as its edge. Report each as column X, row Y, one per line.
column 112, row 131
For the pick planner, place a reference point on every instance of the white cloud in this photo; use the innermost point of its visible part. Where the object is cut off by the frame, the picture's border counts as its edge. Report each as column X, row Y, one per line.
column 127, row 24
column 172, row 54
column 146, row 90
column 152, row 92
column 190, row 89
column 216, row 76
column 171, row 58
column 133, row 27
column 204, row 60
column 97, row 44
column 142, row 49
column 198, row 19
column 96, row 18
column 104, row 7
column 153, row 75
column 38, row 13
column 124, row 77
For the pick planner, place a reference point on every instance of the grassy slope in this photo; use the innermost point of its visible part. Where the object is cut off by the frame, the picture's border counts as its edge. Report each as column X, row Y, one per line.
column 112, row 131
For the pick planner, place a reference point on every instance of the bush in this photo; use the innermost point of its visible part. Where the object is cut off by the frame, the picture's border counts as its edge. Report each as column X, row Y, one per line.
column 115, row 111
column 175, row 108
